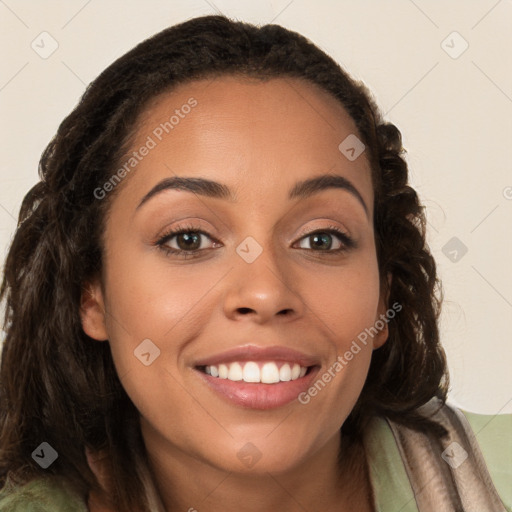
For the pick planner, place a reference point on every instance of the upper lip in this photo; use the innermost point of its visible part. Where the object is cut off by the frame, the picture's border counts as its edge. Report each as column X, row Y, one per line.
column 255, row 353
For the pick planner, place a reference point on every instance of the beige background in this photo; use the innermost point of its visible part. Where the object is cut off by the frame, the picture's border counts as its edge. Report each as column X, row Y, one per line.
column 454, row 109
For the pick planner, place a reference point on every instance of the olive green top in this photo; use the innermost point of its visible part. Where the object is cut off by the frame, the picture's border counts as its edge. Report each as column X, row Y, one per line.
column 392, row 490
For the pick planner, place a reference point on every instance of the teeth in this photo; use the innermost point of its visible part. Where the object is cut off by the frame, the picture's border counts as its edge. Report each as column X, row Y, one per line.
column 251, row 372
column 235, row 372
column 267, row 373
column 223, row 371
column 285, row 373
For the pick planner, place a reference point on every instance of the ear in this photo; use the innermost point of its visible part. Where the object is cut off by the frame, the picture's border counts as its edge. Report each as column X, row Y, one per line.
column 381, row 337
column 92, row 311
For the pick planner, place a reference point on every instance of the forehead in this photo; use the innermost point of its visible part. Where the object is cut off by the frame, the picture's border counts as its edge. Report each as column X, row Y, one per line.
column 246, row 133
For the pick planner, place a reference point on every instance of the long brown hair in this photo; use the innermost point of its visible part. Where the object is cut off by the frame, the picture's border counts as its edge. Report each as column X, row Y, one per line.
column 56, row 384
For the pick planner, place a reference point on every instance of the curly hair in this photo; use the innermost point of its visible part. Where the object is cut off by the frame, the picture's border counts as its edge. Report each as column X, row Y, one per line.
column 56, row 384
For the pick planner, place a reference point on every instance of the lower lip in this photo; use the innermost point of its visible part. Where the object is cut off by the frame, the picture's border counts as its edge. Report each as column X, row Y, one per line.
column 259, row 396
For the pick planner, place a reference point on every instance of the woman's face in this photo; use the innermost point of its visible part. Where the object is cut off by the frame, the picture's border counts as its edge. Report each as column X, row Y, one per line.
column 256, row 287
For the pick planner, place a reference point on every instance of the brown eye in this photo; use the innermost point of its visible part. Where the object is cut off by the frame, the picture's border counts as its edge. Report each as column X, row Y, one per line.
column 184, row 241
column 188, row 241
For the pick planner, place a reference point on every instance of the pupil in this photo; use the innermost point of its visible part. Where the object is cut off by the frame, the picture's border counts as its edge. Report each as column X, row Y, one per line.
column 190, row 240
column 322, row 238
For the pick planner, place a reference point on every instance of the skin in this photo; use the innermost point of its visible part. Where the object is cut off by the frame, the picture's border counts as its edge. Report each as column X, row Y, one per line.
column 258, row 138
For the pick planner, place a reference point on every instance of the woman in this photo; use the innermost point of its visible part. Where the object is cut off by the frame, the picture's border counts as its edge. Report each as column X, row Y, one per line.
column 219, row 296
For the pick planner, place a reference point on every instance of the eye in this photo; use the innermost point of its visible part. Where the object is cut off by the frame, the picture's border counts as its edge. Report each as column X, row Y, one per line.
column 321, row 240
column 187, row 241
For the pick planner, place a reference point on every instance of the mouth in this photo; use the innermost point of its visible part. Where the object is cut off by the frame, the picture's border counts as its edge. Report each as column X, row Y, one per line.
column 268, row 372
column 258, row 378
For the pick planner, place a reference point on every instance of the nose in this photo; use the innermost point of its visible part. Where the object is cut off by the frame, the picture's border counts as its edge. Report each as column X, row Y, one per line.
column 263, row 290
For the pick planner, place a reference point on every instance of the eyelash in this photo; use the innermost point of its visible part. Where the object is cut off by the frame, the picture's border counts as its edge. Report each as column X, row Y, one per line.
column 348, row 243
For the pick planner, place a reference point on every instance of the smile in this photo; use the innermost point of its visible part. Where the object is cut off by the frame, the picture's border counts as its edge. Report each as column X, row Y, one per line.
column 269, row 372
column 255, row 377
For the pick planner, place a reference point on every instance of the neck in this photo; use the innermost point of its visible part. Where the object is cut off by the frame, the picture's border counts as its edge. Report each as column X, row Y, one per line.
column 334, row 477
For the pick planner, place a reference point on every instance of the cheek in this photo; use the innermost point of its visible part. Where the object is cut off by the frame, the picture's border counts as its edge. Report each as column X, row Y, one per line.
column 149, row 291
column 155, row 310
column 152, row 301
column 345, row 300
column 345, row 305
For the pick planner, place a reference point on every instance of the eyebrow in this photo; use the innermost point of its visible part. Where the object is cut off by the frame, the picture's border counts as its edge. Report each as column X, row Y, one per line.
column 209, row 188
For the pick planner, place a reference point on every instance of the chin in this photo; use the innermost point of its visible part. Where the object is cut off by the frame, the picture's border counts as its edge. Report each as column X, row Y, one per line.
column 263, row 455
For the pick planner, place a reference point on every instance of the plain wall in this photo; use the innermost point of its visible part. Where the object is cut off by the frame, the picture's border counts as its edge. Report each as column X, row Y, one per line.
column 454, row 109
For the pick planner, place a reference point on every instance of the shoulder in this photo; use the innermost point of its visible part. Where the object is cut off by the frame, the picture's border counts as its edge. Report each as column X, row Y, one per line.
column 408, row 467
column 474, row 458
column 488, row 437
column 494, row 437
column 40, row 495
